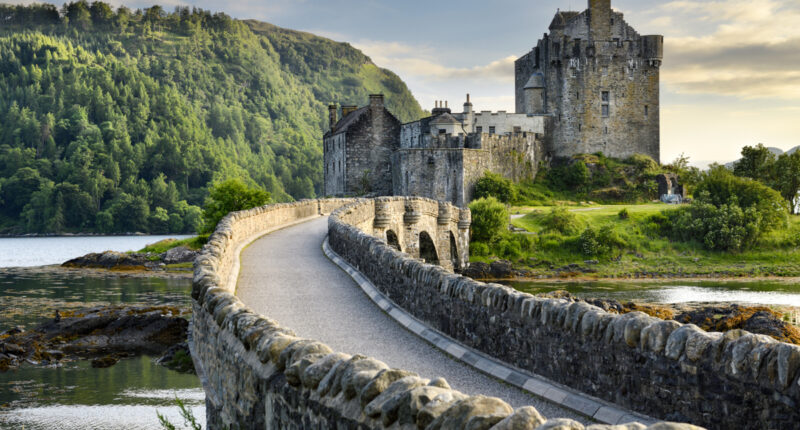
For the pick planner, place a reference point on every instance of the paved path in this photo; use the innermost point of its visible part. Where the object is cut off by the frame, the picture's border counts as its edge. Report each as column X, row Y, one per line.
column 286, row 276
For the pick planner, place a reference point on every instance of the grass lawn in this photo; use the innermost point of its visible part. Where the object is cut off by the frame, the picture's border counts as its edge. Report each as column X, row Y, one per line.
column 194, row 243
column 645, row 252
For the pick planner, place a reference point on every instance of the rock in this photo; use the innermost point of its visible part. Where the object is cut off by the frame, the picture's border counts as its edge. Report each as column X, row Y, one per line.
column 501, row 269
column 179, row 254
column 477, row 270
column 11, row 348
column 560, row 424
column 373, row 408
column 525, row 418
column 437, row 407
column 178, row 358
column 109, row 260
column 460, row 413
column 380, row 383
column 103, row 362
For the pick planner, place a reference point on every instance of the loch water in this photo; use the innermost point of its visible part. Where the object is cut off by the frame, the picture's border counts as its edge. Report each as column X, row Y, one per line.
column 129, row 395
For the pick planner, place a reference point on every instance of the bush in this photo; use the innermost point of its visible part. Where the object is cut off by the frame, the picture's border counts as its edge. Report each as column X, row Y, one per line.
column 479, row 249
column 562, row 221
column 724, row 228
column 489, row 219
column 623, row 214
column 600, row 243
column 495, row 185
column 578, row 175
column 230, row 196
column 721, row 187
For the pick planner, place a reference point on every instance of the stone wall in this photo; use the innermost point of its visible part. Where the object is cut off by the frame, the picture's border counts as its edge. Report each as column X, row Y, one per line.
column 661, row 368
column 259, row 375
column 370, row 145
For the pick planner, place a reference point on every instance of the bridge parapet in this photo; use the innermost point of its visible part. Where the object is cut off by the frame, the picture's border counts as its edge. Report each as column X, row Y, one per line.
column 661, row 368
column 257, row 374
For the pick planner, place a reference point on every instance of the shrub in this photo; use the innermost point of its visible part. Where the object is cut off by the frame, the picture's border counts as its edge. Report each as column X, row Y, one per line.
column 561, row 220
column 589, row 243
column 479, row 249
column 489, row 219
column 721, row 186
column 229, row 196
column 600, row 242
column 724, row 228
column 578, row 175
column 623, row 214
column 495, row 185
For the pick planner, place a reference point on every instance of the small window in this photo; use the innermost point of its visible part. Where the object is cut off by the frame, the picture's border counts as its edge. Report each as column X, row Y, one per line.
column 612, row 21
column 578, row 96
column 616, row 41
column 478, row 129
column 491, row 129
column 442, row 131
column 646, row 110
column 605, row 130
column 606, row 96
column 517, row 130
column 579, row 127
column 605, row 111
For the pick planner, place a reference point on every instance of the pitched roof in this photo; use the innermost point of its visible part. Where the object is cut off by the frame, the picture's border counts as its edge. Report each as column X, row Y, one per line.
column 445, row 118
column 348, row 120
column 562, row 18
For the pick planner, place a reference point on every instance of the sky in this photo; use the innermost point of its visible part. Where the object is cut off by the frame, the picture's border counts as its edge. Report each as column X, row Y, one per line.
column 730, row 75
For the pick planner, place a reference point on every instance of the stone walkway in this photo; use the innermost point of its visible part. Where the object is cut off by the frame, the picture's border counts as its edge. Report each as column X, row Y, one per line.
column 286, row 276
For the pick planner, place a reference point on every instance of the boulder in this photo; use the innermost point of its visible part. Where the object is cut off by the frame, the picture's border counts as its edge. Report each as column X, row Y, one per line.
column 179, row 254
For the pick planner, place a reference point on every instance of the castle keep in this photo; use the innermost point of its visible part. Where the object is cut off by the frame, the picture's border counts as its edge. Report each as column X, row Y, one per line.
column 590, row 85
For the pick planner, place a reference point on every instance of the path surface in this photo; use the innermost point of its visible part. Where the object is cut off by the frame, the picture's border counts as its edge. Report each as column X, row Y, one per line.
column 286, row 276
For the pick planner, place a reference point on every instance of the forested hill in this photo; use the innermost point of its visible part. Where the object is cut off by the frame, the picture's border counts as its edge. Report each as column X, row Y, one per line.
column 119, row 120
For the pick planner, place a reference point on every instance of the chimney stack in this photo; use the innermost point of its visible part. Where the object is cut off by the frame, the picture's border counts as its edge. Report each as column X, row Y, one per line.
column 376, row 101
column 332, row 116
column 348, row 109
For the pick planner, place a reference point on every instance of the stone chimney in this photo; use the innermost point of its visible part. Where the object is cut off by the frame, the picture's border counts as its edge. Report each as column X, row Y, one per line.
column 332, row 116
column 347, row 110
column 376, row 101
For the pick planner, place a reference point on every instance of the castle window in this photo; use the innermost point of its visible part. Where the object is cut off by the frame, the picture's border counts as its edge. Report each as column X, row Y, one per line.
column 478, row 129
column 646, row 110
column 616, row 42
column 491, row 129
column 605, row 130
column 579, row 127
column 442, row 131
column 605, row 111
column 517, row 130
column 605, row 96
column 612, row 21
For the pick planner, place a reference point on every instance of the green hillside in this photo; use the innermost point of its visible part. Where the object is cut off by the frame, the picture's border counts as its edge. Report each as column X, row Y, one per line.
column 119, row 120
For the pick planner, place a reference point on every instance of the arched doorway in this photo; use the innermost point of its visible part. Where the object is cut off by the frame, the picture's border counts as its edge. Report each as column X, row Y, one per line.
column 391, row 239
column 427, row 250
column 453, row 250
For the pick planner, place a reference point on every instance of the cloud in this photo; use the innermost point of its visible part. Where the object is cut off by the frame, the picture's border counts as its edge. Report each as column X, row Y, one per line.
column 422, row 62
column 743, row 48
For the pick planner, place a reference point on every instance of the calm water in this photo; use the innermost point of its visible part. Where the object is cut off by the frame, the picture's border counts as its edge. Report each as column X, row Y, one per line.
column 40, row 251
column 766, row 293
column 125, row 396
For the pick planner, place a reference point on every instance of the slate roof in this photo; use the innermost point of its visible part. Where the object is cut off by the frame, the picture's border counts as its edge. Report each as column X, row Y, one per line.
column 348, row 120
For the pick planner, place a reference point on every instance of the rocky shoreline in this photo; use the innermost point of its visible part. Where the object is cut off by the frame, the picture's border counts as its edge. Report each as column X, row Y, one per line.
column 178, row 258
column 503, row 270
column 711, row 317
column 103, row 335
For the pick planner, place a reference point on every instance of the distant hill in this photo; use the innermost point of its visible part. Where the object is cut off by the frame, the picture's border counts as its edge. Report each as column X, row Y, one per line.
column 118, row 120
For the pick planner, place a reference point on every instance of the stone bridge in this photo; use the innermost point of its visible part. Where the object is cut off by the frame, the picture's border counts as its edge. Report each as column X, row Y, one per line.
column 490, row 339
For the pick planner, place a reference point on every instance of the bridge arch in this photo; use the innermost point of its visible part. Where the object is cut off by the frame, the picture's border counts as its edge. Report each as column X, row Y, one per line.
column 427, row 249
column 392, row 240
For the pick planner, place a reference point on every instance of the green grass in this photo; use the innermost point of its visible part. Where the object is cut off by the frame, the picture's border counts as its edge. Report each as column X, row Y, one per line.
column 644, row 251
column 194, row 243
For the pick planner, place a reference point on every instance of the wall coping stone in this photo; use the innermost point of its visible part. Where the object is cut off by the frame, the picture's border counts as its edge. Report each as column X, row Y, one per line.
column 597, row 409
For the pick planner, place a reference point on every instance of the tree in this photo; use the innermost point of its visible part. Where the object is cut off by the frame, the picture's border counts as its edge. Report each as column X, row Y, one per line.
column 489, row 219
column 756, row 163
column 230, row 196
column 78, row 15
column 101, row 13
column 787, row 178
column 495, row 185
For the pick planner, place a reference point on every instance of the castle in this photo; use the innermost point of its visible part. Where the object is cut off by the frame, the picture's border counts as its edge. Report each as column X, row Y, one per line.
column 590, row 85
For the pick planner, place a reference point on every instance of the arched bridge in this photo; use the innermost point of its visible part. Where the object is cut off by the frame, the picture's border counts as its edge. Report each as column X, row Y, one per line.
column 303, row 369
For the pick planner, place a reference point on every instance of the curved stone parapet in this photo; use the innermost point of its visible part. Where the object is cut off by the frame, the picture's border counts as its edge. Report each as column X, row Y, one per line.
column 259, row 375
column 660, row 368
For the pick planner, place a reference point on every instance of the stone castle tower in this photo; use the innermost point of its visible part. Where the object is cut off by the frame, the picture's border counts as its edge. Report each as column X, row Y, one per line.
column 599, row 81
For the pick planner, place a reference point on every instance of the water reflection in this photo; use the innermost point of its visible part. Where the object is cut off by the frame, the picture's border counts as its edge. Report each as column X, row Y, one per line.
column 765, row 293
column 76, row 396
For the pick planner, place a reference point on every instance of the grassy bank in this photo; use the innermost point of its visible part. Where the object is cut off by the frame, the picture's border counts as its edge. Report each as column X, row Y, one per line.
column 634, row 248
